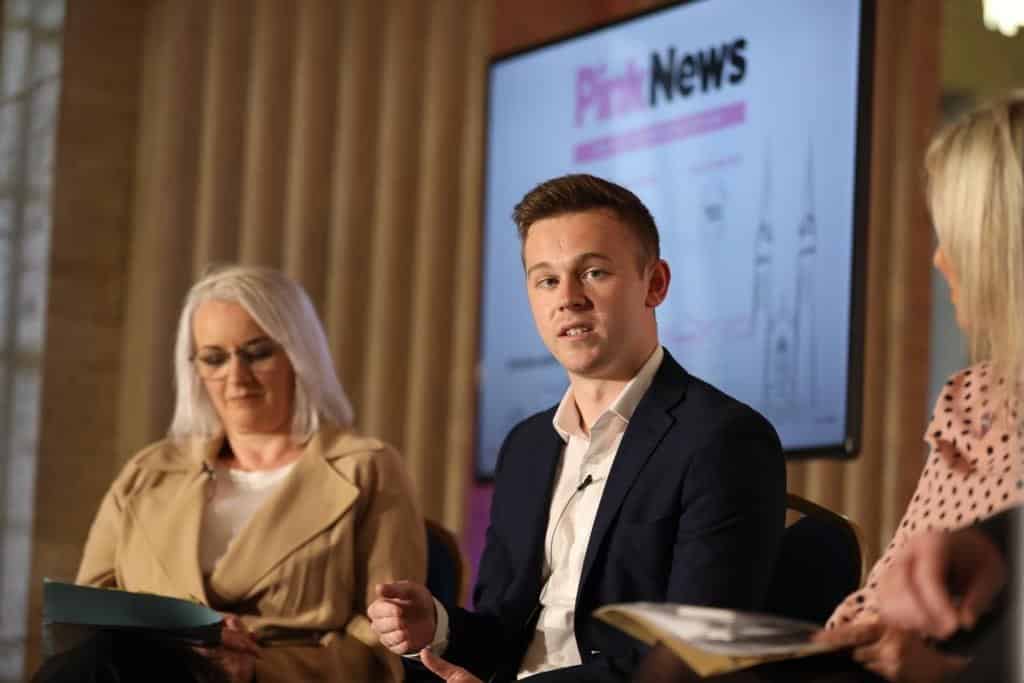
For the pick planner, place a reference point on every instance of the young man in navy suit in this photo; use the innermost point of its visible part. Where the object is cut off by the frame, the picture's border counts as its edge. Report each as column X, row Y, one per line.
column 643, row 483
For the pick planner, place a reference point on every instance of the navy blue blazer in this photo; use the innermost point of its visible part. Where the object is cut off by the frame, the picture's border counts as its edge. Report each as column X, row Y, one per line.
column 692, row 512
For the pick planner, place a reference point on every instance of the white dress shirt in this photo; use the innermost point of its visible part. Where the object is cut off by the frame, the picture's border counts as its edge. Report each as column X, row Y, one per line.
column 570, row 521
column 585, row 465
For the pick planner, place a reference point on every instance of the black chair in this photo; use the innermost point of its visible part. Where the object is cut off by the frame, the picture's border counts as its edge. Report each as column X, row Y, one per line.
column 820, row 563
column 447, row 567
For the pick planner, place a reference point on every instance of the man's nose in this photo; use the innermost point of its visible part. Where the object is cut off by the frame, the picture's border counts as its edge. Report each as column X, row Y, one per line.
column 572, row 295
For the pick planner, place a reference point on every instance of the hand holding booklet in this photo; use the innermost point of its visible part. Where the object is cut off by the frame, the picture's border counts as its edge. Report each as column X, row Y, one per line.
column 713, row 641
column 72, row 612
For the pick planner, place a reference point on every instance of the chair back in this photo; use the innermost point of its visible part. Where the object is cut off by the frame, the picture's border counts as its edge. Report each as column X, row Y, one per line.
column 820, row 563
column 447, row 567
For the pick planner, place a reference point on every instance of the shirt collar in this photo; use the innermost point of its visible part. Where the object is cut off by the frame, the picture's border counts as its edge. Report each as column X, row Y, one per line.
column 567, row 417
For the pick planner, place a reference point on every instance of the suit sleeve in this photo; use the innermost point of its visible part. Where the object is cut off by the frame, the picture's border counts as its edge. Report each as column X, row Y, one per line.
column 733, row 515
column 392, row 546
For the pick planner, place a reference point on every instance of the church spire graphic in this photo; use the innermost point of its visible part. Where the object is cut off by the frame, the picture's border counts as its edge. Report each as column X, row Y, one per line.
column 764, row 304
column 806, row 267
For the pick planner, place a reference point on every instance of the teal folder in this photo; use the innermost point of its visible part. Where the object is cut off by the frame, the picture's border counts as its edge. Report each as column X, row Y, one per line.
column 72, row 613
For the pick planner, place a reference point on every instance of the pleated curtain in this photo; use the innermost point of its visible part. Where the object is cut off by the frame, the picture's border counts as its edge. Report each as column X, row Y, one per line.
column 340, row 142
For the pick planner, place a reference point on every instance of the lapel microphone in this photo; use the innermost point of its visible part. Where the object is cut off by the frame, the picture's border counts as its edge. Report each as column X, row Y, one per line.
column 211, row 477
column 550, row 545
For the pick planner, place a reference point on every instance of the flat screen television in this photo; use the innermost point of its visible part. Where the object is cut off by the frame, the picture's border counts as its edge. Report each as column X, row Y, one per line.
column 743, row 126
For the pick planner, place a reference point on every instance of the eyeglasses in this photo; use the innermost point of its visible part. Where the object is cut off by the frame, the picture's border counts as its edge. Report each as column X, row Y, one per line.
column 260, row 356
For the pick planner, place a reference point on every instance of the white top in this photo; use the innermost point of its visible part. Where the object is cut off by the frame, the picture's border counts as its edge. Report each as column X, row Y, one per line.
column 570, row 521
column 237, row 494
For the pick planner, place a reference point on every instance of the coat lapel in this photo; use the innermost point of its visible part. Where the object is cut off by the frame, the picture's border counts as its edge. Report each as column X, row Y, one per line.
column 650, row 423
column 544, row 455
column 310, row 499
column 170, row 521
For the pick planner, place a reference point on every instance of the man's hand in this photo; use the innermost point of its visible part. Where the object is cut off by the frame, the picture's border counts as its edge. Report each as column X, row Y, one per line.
column 893, row 653
column 917, row 593
column 403, row 616
column 446, row 670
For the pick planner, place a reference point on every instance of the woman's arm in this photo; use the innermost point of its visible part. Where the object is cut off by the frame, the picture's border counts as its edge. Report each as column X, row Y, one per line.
column 895, row 654
column 99, row 558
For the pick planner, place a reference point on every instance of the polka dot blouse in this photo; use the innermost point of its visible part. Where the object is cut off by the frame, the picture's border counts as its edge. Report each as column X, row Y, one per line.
column 974, row 469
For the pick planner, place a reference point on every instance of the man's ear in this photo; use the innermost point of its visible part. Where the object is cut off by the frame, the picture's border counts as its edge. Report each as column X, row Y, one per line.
column 657, row 285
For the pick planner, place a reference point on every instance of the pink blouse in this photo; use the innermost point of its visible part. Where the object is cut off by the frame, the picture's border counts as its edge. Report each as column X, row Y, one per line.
column 974, row 469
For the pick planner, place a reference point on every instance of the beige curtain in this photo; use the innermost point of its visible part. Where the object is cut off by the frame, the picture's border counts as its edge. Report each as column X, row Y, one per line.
column 339, row 142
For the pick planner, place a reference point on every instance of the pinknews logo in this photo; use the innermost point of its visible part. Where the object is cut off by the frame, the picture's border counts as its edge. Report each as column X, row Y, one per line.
column 602, row 94
column 610, row 95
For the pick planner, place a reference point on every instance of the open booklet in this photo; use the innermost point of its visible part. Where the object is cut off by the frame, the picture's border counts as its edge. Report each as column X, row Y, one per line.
column 714, row 641
column 71, row 613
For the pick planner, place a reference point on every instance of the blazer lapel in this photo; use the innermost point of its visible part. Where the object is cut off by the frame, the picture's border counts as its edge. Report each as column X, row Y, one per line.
column 310, row 499
column 170, row 522
column 544, row 455
column 650, row 422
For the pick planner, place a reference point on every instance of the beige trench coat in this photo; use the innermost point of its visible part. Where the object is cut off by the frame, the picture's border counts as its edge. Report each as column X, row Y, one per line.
column 342, row 521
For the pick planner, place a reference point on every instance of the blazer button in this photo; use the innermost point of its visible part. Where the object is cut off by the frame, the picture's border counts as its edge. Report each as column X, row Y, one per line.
column 595, row 653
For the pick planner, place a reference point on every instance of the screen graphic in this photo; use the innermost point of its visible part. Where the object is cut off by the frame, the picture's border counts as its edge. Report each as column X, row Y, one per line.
column 736, row 124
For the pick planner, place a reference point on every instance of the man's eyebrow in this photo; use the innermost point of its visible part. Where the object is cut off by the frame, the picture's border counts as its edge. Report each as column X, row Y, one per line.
column 537, row 266
column 582, row 257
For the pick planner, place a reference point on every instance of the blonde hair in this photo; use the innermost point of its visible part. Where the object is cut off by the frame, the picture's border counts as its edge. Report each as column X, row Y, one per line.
column 975, row 192
column 281, row 307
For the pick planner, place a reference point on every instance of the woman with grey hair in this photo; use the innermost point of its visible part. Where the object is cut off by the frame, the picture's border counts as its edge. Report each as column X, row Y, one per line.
column 263, row 502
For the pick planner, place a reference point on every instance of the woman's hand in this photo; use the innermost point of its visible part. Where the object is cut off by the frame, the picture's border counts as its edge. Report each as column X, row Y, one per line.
column 235, row 636
column 240, row 667
column 238, row 650
column 917, row 591
column 893, row 653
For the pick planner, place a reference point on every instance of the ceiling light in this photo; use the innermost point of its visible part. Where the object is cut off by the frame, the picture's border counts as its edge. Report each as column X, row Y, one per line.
column 1005, row 16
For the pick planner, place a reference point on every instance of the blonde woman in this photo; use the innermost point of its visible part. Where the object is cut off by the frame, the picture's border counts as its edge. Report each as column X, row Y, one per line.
column 975, row 192
column 263, row 502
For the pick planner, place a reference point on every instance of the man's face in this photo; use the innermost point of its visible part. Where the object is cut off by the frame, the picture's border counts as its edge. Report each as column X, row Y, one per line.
column 592, row 305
